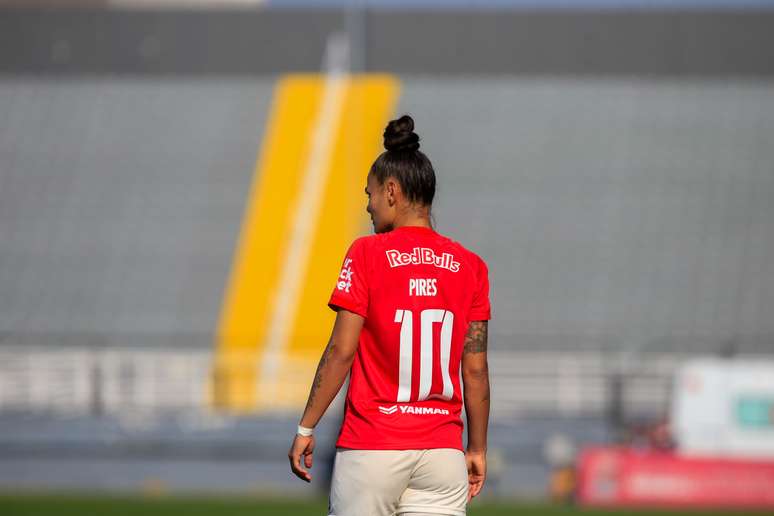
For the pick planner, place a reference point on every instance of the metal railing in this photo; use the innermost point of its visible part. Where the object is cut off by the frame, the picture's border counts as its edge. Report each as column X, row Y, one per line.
column 83, row 380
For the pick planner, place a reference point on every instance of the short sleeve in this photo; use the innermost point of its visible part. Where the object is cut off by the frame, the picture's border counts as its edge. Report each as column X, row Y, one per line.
column 351, row 289
column 480, row 309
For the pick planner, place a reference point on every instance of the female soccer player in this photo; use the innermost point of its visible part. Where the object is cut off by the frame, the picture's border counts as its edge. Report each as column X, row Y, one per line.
column 412, row 309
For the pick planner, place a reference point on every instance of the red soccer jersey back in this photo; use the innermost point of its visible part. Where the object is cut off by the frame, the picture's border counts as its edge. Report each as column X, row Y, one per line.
column 417, row 291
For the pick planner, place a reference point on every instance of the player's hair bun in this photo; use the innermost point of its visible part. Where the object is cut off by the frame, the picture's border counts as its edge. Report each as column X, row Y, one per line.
column 399, row 135
column 405, row 162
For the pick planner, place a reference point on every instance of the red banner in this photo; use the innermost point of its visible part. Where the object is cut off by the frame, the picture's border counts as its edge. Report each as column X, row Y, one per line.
column 610, row 476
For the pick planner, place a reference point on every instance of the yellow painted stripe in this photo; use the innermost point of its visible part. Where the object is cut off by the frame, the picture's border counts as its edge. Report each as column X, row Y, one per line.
column 369, row 103
column 262, row 241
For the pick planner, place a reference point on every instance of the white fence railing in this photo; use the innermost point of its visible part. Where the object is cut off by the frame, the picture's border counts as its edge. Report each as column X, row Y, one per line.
column 116, row 380
column 81, row 380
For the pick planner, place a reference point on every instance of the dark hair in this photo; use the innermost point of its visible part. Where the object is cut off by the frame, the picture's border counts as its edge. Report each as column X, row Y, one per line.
column 405, row 162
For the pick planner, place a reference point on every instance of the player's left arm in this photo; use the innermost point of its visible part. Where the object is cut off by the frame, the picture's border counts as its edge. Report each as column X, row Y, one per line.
column 334, row 365
column 475, row 376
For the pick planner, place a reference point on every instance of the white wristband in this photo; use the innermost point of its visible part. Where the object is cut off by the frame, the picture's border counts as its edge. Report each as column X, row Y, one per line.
column 306, row 432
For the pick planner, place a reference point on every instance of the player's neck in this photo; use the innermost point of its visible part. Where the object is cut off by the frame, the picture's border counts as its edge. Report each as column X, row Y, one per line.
column 413, row 217
column 418, row 221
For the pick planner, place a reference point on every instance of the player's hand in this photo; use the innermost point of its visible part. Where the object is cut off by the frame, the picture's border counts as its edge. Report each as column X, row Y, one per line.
column 301, row 446
column 476, row 461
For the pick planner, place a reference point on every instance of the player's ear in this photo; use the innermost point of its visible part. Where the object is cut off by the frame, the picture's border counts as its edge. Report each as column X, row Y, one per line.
column 391, row 189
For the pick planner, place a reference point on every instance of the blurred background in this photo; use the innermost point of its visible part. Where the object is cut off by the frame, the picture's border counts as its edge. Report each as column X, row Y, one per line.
column 180, row 180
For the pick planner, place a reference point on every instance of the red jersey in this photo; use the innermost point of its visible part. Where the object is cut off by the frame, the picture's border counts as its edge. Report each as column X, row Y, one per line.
column 417, row 291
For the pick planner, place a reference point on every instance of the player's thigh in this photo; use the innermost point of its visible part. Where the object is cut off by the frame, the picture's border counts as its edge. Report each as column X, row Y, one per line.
column 369, row 482
column 439, row 484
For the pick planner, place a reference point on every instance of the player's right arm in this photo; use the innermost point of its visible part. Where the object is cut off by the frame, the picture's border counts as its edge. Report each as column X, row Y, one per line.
column 332, row 370
column 475, row 377
column 350, row 300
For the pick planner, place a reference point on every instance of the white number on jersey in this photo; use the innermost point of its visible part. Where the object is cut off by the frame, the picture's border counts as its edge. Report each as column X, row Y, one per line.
column 427, row 318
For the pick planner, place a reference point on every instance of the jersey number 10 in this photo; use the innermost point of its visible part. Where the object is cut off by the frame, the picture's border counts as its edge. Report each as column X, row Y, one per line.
column 427, row 318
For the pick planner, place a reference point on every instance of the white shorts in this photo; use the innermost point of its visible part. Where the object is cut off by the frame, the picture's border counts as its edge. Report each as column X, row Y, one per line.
column 394, row 482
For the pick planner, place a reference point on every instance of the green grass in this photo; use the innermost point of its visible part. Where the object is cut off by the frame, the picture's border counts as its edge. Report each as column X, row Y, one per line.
column 83, row 505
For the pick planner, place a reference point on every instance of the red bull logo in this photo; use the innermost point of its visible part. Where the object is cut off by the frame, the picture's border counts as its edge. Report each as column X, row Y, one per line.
column 422, row 255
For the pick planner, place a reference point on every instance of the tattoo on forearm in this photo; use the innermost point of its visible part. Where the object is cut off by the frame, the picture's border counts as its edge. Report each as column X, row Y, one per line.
column 318, row 375
column 475, row 340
